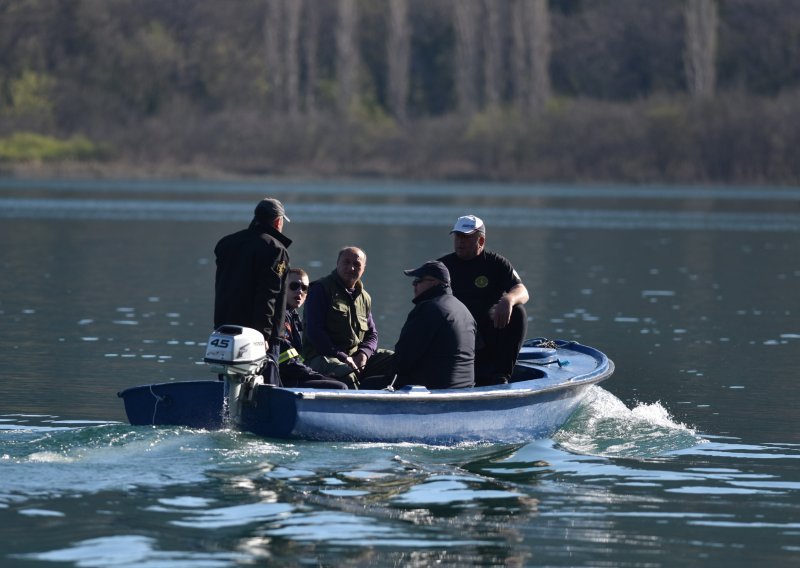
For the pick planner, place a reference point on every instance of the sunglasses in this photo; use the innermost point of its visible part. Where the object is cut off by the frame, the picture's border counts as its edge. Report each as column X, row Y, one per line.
column 418, row 281
column 295, row 286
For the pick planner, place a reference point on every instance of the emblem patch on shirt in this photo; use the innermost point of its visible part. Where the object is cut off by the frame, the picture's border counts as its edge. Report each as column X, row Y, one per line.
column 280, row 268
column 481, row 282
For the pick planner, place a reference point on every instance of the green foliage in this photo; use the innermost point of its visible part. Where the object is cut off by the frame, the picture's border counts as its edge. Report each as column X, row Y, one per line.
column 30, row 95
column 28, row 147
column 493, row 124
column 372, row 117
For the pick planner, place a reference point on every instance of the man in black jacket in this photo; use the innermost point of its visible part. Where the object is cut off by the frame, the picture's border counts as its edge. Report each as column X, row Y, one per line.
column 251, row 269
column 436, row 348
column 294, row 373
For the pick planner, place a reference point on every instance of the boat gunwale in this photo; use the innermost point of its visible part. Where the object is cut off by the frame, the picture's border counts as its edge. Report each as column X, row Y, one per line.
column 510, row 390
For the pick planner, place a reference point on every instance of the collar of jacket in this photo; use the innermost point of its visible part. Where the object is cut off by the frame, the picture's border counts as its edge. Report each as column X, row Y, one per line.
column 356, row 289
column 277, row 235
column 433, row 292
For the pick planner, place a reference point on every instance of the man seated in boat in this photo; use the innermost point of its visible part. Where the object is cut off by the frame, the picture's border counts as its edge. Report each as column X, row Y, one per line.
column 292, row 370
column 339, row 336
column 436, row 347
column 494, row 294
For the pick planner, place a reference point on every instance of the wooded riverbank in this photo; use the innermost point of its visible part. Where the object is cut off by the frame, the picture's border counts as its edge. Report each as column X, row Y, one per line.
column 697, row 91
column 732, row 139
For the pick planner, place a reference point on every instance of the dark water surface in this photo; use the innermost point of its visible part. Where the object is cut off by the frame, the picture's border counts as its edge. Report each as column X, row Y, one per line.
column 688, row 455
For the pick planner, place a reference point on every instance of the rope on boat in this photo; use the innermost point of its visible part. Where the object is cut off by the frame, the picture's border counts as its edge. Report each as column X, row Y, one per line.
column 550, row 344
column 155, row 408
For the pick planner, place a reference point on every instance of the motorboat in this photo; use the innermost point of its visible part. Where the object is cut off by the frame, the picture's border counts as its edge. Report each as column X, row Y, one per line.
column 549, row 381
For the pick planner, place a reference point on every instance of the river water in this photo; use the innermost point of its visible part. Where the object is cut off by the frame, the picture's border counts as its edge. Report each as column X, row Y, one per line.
column 689, row 455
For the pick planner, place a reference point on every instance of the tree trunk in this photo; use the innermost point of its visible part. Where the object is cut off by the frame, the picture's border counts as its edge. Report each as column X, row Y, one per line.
column 701, row 47
column 530, row 21
column 399, row 46
column 465, row 17
column 537, row 18
column 492, row 54
column 346, row 54
column 310, row 45
column 292, row 11
column 519, row 54
column 273, row 39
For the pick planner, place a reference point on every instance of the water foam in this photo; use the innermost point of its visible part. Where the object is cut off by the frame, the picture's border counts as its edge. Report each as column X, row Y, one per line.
column 604, row 426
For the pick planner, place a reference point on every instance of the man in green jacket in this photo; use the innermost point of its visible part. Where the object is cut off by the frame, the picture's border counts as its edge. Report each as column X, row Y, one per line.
column 339, row 334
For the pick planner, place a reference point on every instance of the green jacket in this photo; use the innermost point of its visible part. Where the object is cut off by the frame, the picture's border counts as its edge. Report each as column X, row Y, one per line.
column 336, row 323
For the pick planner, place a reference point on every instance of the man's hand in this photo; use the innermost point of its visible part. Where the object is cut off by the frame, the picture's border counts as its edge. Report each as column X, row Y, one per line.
column 501, row 312
column 360, row 359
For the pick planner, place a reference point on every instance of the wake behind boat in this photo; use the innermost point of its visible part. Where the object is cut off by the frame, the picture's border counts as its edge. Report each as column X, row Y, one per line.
column 549, row 381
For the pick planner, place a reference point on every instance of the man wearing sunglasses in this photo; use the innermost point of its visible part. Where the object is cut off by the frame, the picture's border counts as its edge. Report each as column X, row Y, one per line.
column 293, row 372
column 436, row 347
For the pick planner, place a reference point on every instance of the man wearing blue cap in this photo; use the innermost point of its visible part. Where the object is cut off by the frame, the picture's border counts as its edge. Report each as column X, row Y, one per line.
column 494, row 294
column 436, row 347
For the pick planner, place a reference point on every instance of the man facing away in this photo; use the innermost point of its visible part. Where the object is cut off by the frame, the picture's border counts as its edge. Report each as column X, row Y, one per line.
column 251, row 270
column 339, row 336
column 488, row 285
column 436, row 347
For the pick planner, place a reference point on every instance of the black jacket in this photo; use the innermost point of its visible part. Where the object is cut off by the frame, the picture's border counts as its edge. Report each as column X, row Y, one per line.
column 436, row 348
column 251, row 269
column 293, row 331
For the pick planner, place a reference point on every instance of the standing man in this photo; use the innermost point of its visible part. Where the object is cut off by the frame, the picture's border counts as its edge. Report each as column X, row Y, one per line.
column 339, row 336
column 251, row 269
column 493, row 292
column 436, row 347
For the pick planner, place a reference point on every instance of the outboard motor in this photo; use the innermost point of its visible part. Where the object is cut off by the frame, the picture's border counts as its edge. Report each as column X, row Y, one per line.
column 237, row 354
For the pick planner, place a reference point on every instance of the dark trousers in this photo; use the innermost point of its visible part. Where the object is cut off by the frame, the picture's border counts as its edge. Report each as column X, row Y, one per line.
column 377, row 373
column 295, row 374
column 494, row 362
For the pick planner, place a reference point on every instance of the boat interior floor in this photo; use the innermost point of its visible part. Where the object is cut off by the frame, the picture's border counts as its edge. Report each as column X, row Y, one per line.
column 525, row 373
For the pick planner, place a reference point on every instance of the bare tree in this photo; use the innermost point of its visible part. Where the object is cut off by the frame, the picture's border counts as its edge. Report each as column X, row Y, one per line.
column 492, row 53
column 398, row 56
column 310, row 46
column 465, row 16
column 346, row 54
column 273, row 39
column 530, row 23
column 538, row 19
column 281, row 38
column 701, row 46
column 291, row 67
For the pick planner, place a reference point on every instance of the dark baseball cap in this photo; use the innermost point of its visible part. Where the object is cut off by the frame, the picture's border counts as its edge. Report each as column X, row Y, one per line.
column 270, row 208
column 432, row 268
